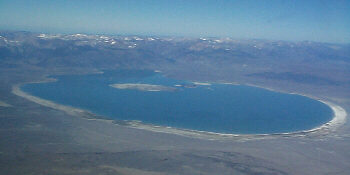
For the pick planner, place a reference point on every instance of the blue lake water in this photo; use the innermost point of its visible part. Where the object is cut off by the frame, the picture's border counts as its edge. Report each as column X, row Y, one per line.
column 218, row 108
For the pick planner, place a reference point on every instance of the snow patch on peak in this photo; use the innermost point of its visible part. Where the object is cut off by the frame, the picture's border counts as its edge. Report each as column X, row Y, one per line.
column 137, row 38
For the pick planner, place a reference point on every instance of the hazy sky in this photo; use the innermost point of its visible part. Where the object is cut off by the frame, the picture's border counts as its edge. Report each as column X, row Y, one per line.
column 326, row 21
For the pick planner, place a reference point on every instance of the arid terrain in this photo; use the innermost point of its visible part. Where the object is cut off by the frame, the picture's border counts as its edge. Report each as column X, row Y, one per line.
column 42, row 139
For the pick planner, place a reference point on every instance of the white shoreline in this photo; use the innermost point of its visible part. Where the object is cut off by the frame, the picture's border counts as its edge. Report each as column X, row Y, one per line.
column 69, row 110
column 339, row 118
column 4, row 104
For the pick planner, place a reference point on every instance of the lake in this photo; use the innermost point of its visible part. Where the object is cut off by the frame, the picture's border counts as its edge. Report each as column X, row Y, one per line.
column 154, row 99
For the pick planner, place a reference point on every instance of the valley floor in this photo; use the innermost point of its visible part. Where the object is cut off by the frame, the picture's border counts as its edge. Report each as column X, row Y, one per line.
column 37, row 139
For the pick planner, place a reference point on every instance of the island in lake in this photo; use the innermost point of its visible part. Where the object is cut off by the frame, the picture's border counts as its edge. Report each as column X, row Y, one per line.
column 143, row 87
